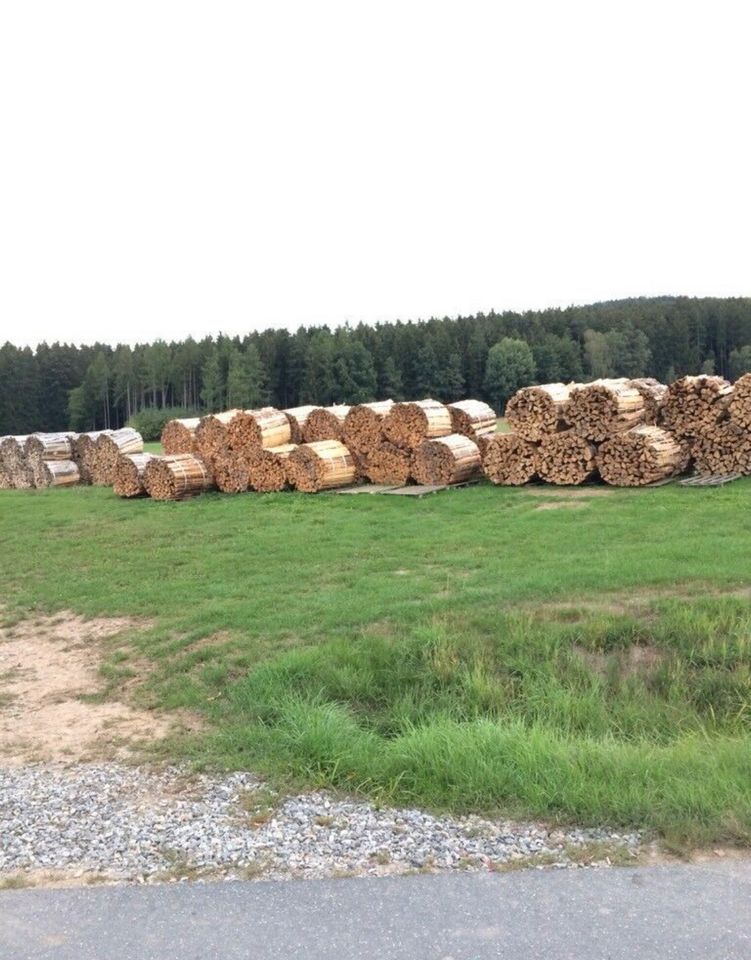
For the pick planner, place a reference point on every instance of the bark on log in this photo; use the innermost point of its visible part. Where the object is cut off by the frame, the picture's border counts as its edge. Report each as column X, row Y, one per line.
column 129, row 474
column 472, row 418
column 600, row 409
column 257, row 429
column 12, row 451
column 179, row 436
column 388, row 464
column 693, row 405
column 535, row 412
column 510, row 460
column 446, row 460
column 298, row 417
column 50, row 446
column 268, row 470
column 326, row 423
column 321, row 465
column 177, row 477
column 641, row 456
column 740, row 402
column 566, row 458
column 362, row 425
column 84, row 450
column 407, row 424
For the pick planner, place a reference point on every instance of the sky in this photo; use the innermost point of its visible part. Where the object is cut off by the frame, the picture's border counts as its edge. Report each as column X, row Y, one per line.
column 179, row 168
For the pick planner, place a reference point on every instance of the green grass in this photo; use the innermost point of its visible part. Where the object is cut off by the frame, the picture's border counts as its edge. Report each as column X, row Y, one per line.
column 467, row 651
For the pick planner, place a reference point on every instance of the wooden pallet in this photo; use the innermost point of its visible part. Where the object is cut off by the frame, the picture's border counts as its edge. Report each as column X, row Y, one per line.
column 365, row 488
column 423, row 489
column 710, row 480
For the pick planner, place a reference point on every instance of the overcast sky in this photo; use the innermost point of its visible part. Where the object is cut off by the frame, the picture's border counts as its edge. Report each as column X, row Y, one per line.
column 175, row 168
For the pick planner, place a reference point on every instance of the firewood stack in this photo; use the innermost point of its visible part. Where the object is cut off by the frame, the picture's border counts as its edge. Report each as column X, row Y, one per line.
column 326, row 423
column 699, row 411
column 472, row 418
column 84, row 451
column 510, row 460
column 179, row 436
column 268, row 470
column 55, row 473
column 298, row 417
column 566, row 458
column 129, row 474
column 321, row 465
column 258, row 429
column 108, row 448
column 176, row 477
column 645, row 454
column 407, row 424
column 535, row 412
column 598, row 410
column 445, row 460
column 230, row 469
column 653, row 394
column 15, row 464
column 363, row 424
column 388, row 464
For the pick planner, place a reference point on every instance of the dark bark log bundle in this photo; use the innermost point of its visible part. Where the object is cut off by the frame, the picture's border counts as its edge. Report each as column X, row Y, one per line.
column 535, row 412
column 640, row 456
column 362, row 425
column 230, row 470
column 108, row 447
column 566, row 458
column 388, row 464
column 17, row 466
column 212, row 437
column 179, row 436
column 408, row 424
column 445, row 460
column 49, row 446
column 326, row 423
column 693, row 405
column 600, row 409
column 176, row 477
column 472, row 418
column 724, row 448
column 740, row 402
column 268, row 470
column 321, row 465
column 257, row 429
column 653, row 394
column 129, row 474
column 509, row 460
column 84, row 450
column 6, row 478
column 56, row 473
column 298, row 417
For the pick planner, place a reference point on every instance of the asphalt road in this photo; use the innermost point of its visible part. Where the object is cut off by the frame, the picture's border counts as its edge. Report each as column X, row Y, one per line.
column 680, row 912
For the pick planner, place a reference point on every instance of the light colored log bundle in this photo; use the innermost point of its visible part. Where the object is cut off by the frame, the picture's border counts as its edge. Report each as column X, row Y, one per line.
column 566, row 458
column 49, row 446
column 56, row 473
column 653, row 394
column 740, row 402
column 129, row 474
column 388, row 464
column 724, row 448
column 600, row 409
column 407, row 424
column 176, row 477
column 363, row 423
column 108, row 447
column 84, row 450
column 321, row 465
column 509, row 460
column 643, row 455
column 446, row 460
column 535, row 412
column 695, row 404
column 256, row 429
column 472, row 418
column 268, row 470
column 298, row 417
column 179, row 436
column 230, row 469
column 211, row 434
column 326, row 423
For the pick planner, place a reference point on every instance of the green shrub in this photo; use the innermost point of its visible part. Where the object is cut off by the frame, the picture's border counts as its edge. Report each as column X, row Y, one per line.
column 150, row 421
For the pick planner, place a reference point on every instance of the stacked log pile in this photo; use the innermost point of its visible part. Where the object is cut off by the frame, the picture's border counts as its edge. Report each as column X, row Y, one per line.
column 84, row 448
column 176, row 477
column 268, row 472
column 298, row 417
column 129, row 474
column 108, row 448
column 326, row 423
column 472, row 418
column 362, row 425
column 321, row 465
column 446, row 460
column 642, row 455
column 179, row 436
column 406, row 425
column 510, row 460
column 598, row 410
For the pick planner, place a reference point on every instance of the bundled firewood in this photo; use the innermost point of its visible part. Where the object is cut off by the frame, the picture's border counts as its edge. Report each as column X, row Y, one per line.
column 17, row 466
column 740, row 402
column 724, row 448
column 408, row 424
column 388, row 464
column 444, row 460
column 642, row 455
column 230, row 469
column 362, row 425
column 600, row 409
column 108, row 447
column 129, row 474
column 268, row 470
column 298, row 417
column 179, row 436
column 693, row 405
column 321, row 465
column 534, row 412
column 653, row 394
column 84, row 452
column 472, row 418
column 6, row 480
column 251, row 429
column 326, row 423
column 566, row 458
column 509, row 459
column 49, row 446
column 56, row 473
column 176, row 477
column 211, row 434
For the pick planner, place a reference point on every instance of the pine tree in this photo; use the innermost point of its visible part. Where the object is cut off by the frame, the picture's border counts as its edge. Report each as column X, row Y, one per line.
column 510, row 366
column 246, row 379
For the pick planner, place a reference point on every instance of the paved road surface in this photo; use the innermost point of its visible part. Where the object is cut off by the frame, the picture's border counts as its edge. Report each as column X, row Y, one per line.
column 679, row 912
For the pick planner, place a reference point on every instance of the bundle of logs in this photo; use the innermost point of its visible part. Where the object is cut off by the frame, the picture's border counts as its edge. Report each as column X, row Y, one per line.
column 64, row 459
column 629, row 433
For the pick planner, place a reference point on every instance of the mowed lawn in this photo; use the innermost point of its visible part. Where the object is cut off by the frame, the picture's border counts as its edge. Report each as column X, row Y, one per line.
column 581, row 656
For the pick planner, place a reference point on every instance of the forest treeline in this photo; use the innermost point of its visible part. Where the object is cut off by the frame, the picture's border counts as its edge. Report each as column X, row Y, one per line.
column 60, row 386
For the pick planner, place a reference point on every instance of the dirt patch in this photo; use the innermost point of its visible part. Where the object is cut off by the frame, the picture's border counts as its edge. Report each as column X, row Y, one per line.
column 49, row 673
column 572, row 493
column 561, row 505
column 637, row 660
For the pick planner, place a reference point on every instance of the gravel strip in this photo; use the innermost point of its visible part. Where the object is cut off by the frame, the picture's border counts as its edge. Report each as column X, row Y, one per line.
column 133, row 824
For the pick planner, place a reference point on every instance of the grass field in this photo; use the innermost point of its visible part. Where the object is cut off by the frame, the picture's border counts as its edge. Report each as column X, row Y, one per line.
column 584, row 656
